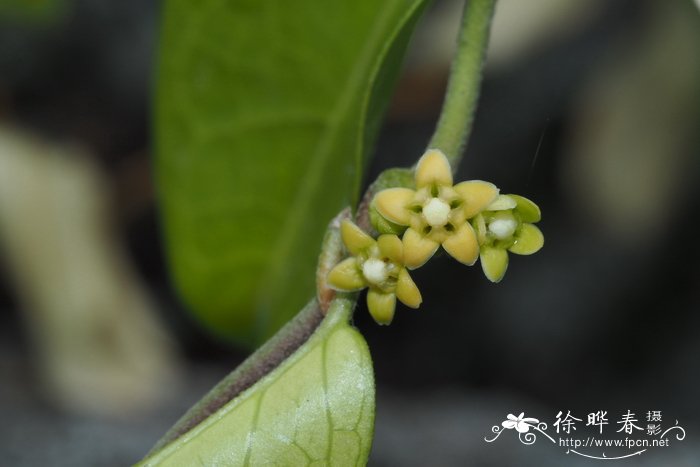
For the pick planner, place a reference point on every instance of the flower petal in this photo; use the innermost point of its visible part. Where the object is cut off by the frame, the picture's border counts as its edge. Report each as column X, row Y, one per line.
column 509, row 424
column 381, row 306
column 462, row 245
column 529, row 211
column 346, row 276
column 476, row 195
column 391, row 247
column 392, row 203
column 528, row 241
column 417, row 249
column 501, row 203
column 354, row 238
column 522, row 427
column 494, row 262
column 433, row 167
column 479, row 224
column 407, row 291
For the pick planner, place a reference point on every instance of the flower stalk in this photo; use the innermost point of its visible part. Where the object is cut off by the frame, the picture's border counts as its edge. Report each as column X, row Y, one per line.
column 455, row 123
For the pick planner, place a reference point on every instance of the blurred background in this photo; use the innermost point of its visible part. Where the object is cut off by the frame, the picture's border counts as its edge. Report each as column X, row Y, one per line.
column 589, row 107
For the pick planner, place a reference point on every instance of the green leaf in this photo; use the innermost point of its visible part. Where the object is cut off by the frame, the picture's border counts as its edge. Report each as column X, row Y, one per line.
column 265, row 114
column 316, row 408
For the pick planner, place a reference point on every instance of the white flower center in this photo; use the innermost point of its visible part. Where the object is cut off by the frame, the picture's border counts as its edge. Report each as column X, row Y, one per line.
column 436, row 212
column 375, row 271
column 503, row 226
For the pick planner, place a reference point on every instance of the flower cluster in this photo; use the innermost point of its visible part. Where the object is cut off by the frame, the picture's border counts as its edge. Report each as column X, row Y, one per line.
column 470, row 220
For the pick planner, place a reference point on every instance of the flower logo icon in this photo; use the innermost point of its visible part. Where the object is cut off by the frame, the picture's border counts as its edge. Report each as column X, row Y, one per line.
column 520, row 423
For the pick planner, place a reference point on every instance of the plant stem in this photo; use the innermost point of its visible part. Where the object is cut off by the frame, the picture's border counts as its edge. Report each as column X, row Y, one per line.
column 455, row 123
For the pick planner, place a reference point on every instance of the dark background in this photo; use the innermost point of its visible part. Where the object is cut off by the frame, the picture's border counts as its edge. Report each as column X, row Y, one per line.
column 591, row 108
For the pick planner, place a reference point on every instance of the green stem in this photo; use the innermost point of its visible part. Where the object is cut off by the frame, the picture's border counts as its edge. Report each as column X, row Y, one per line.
column 462, row 94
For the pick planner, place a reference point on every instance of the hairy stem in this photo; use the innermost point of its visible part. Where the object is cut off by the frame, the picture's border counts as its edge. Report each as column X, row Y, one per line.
column 455, row 123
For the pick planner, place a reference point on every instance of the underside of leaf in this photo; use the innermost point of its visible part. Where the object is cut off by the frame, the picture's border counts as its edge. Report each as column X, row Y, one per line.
column 315, row 408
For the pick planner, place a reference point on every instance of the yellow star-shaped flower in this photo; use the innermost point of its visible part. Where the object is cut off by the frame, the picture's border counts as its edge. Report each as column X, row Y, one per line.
column 437, row 211
column 379, row 265
column 507, row 225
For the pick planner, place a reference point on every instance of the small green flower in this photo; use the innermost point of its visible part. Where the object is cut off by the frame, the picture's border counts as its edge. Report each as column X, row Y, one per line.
column 379, row 265
column 506, row 225
column 436, row 212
